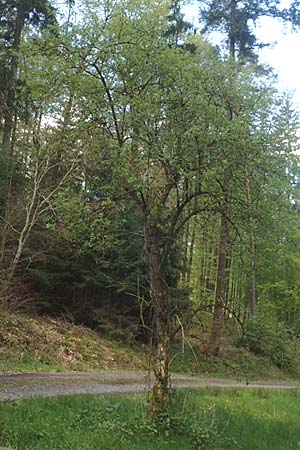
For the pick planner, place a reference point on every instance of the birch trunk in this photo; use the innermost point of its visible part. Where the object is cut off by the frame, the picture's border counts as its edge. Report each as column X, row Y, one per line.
column 160, row 302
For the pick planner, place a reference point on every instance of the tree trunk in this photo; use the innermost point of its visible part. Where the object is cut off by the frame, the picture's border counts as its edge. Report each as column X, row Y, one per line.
column 160, row 302
column 252, row 284
column 185, row 243
column 191, row 255
column 9, row 112
column 222, row 274
column 232, row 29
column 252, row 287
column 218, row 318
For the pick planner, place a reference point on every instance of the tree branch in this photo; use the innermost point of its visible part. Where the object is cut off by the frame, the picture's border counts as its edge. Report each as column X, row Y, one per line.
column 111, row 104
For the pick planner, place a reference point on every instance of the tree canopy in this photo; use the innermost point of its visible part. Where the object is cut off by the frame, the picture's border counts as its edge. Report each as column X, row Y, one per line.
column 147, row 178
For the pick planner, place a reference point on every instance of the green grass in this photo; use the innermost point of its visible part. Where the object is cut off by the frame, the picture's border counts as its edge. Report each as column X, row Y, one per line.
column 26, row 366
column 206, row 419
column 259, row 420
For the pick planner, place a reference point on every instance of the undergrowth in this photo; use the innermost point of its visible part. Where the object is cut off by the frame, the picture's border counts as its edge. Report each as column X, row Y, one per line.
column 206, row 419
column 35, row 343
column 107, row 423
column 30, row 344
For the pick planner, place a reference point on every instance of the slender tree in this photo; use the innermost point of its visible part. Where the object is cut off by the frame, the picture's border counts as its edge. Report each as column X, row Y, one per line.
column 14, row 15
column 234, row 19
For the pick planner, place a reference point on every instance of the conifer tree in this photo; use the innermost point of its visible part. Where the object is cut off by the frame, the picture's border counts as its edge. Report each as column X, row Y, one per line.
column 235, row 19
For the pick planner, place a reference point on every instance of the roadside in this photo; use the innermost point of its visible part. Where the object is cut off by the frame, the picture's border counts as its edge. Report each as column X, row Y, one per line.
column 44, row 344
column 20, row 386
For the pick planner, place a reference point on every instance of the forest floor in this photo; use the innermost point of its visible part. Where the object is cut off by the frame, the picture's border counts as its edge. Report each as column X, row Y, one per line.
column 32, row 343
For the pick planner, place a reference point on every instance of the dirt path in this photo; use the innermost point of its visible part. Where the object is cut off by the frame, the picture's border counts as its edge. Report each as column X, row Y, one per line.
column 19, row 386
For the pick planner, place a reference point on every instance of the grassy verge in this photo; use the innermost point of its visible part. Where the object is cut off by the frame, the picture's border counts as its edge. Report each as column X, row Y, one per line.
column 198, row 420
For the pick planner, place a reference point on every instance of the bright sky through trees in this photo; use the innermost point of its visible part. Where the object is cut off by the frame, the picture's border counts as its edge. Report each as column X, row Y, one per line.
column 282, row 55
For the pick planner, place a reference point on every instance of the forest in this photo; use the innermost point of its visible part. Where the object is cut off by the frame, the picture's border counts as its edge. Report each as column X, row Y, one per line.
column 149, row 180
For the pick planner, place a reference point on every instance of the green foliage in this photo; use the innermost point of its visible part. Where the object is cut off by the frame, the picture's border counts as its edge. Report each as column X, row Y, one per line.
column 91, row 265
column 86, row 224
column 234, row 18
column 152, row 127
column 205, row 419
column 273, row 340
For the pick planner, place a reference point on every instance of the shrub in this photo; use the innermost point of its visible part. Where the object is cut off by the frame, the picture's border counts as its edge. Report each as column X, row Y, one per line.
column 275, row 341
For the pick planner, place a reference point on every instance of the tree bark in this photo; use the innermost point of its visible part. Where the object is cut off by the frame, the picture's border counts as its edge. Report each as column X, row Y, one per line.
column 222, row 274
column 185, row 243
column 218, row 317
column 252, row 288
column 9, row 112
column 252, row 284
column 232, row 30
column 191, row 255
column 161, row 313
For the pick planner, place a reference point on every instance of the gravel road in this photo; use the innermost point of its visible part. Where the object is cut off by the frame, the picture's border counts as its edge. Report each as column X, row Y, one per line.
column 19, row 386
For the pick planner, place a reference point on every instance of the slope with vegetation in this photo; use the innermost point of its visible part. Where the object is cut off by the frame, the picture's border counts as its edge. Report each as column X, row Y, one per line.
column 30, row 343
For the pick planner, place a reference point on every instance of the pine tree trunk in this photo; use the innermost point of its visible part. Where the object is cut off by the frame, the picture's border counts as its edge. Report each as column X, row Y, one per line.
column 252, row 286
column 185, row 243
column 9, row 112
column 218, row 317
column 222, row 273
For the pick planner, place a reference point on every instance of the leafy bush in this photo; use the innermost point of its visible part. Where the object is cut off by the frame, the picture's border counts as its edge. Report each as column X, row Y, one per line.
column 275, row 341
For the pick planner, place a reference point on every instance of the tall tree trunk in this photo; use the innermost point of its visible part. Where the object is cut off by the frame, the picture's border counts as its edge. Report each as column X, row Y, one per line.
column 161, row 311
column 185, row 244
column 218, row 317
column 202, row 261
column 9, row 112
column 252, row 284
column 232, row 28
column 191, row 255
column 222, row 273
column 252, row 288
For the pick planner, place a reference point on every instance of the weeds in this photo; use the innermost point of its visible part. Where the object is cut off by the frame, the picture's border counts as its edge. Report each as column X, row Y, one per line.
column 206, row 419
column 96, row 420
